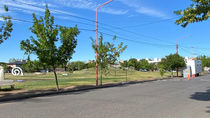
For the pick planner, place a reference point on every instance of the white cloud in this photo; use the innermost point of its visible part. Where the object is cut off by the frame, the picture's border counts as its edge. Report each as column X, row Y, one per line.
column 30, row 9
column 132, row 15
column 150, row 12
column 143, row 10
column 1, row 19
column 89, row 4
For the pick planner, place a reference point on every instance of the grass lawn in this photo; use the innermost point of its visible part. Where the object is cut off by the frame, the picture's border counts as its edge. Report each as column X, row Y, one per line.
column 82, row 77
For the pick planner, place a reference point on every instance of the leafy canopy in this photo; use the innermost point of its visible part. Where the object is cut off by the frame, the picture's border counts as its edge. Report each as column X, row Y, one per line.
column 107, row 53
column 172, row 62
column 47, row 36
column 6, row 28
column 198, row 11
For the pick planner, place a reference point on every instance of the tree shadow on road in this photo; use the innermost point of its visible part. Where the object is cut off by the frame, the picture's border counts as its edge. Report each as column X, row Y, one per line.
column 202, row 96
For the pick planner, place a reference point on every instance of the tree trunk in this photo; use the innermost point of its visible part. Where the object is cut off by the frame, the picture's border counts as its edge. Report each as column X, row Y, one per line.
column 115, row 70
column 177, row 72
column 56, row 80
column 101, row 77
column 172, row 73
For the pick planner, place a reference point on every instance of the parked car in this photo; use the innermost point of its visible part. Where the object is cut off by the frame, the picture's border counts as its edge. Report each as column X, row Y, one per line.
column 143, row 70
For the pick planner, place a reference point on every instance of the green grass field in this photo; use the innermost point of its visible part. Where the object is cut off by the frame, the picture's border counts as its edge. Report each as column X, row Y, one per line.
column 77, row 78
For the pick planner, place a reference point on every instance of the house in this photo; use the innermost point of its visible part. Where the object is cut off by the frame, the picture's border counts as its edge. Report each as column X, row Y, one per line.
column 16, row 63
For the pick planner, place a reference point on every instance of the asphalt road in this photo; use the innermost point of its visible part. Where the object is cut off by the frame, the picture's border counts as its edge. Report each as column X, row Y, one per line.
column 176, row 98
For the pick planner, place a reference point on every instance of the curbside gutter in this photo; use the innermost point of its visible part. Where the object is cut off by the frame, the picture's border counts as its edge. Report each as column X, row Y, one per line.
column 28, row 96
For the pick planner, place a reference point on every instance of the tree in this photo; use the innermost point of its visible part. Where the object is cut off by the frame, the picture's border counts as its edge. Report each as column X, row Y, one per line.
column 172, row 62
column 71, row 67
column 124, row 64
column 47, row 35
column 152, row 67
column 5, row 67
column 107, row 53
column 13, row 60
column 144, row 64
column 92, row 64
column 198, row 11
column 80, row 65
column 132, row 62
column 204, row 60
column 6, row 28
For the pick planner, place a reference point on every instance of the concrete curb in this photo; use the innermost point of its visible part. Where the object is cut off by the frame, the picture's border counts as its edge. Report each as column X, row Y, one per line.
column 18, row 97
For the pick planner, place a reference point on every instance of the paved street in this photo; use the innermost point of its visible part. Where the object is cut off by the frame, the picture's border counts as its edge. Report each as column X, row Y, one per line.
column 176, row 98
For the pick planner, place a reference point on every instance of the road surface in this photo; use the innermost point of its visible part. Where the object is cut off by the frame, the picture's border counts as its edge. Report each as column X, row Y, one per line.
column 175, row 98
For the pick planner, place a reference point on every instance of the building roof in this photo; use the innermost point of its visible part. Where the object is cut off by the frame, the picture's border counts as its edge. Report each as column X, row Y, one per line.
column 16, row 63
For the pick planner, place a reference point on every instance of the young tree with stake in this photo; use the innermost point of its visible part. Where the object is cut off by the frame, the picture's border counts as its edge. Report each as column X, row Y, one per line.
column 47, row 35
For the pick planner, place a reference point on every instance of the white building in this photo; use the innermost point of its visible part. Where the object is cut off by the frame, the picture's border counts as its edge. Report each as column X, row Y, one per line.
column 156, row 60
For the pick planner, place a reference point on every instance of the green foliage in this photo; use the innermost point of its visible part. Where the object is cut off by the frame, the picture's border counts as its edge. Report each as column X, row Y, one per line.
column 45, row 45
column 91, row 64
column 152, row 66
column 144, row 64
column 198, row 11
column 172, row 62
column 204, row 60
column 5, row 67
column 132, row 62
column 162, row 72
column 6, row 28
column 13, row 60
column 107, row 53
column 71, row 66
column 124, row 64
column 28, row 66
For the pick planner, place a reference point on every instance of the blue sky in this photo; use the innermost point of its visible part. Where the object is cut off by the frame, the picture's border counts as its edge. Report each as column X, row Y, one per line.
column 145, row 26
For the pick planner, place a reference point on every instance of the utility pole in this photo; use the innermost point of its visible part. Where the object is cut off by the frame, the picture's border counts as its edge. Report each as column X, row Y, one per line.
column 177, row 51
column 97, row 38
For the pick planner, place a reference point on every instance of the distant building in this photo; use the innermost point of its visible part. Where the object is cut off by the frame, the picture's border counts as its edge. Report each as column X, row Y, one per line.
column 122, row 61
column 90, row 61
column 138, row 59
column 16, row 63
column 156, row 60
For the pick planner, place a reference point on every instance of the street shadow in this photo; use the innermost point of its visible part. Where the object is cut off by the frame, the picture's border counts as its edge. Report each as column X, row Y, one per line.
column 208, row 110
column 202, row 96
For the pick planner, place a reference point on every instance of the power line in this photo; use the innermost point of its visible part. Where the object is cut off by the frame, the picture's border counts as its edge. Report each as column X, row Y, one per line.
column 99, row 32
column 135, row 41
column 195, row 50
column 55, row 11
column 67, row 20
column 136, row 33
column 185, row 50
column 196, row 47
column 94, row 21
column 117, row 32
column 53, row 25
column 148, row 23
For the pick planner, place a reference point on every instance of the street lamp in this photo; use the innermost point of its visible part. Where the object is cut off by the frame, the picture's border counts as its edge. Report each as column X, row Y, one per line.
column 177, row 43
column 177, row 50
column 97, row 38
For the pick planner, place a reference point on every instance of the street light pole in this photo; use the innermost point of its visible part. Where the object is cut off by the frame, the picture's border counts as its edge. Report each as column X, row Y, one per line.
column 177, row 43
column 97, row 38
column 177, row 50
